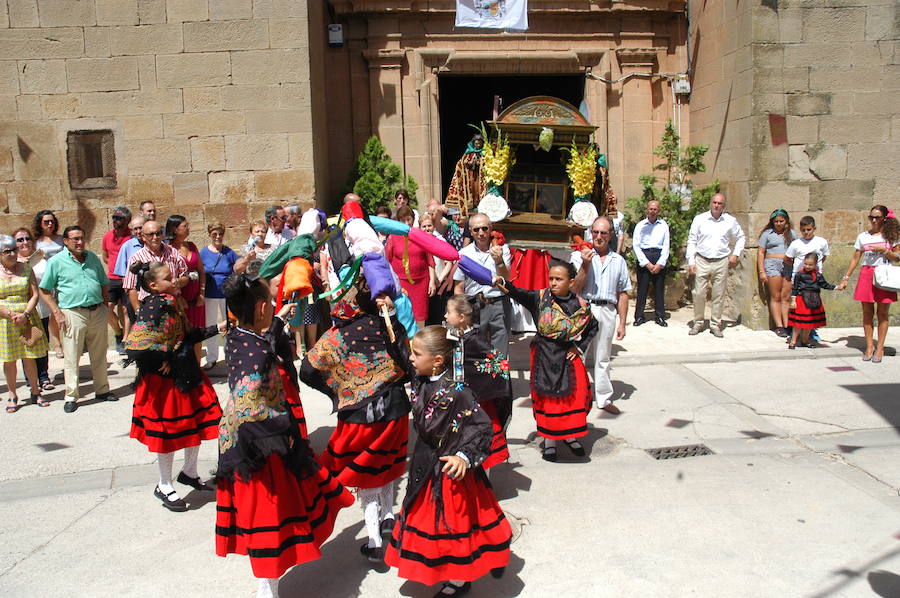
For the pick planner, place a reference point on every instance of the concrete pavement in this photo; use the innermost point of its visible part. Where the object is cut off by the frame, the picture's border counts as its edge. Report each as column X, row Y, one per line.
column 800, row 497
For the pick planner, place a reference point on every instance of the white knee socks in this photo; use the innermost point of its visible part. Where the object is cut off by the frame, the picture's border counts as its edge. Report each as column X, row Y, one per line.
column 165, row 461
column 191, row 454
column 387, row 501
column 268, row 588
column 369, row 500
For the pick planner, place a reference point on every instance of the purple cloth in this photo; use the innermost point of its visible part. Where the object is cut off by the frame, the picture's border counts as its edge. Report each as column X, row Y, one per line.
column 476, row 271
column 379, row 275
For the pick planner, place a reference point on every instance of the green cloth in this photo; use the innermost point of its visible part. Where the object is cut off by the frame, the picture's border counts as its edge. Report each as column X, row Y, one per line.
column 470, row 149
column 76, row 284
column 601, row 161
column 300, row 246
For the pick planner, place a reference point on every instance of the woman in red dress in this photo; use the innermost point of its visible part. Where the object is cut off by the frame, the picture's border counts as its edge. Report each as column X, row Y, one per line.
column 175, row 406
column 177, row 232
column 417, row 276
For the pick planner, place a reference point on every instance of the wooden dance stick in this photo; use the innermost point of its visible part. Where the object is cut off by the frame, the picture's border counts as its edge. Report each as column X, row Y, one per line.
column 387, row 322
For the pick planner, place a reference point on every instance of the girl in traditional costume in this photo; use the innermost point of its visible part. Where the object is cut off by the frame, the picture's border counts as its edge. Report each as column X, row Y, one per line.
column 560, row 388
column 175, row 406
column 364, row 372
column 451, row 527
column 486, row 374
column 275, row 502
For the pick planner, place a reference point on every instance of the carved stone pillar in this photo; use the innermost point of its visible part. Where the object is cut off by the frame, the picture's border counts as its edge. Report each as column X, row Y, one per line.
column 386, row 100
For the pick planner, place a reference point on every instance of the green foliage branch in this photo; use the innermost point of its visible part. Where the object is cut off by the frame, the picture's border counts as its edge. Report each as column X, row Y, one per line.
column 375, row 177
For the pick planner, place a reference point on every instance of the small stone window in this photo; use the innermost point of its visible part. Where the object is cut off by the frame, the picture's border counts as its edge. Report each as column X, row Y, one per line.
column 91, row 158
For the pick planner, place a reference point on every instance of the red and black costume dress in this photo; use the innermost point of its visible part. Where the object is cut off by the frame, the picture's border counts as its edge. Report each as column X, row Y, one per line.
column 448, row 529
column 355, row 364
column 486, row 372
column 178, row 409
column 274, row 501
column 810, row 312
column 560, row 389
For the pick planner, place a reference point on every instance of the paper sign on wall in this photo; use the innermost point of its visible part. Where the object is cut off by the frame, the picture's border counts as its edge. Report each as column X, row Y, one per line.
column 493, row 14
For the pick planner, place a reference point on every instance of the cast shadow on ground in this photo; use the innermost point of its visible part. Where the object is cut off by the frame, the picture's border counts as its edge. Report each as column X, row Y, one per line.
column 882, row 398
column 197, row 500
column 884, row 583
column 339, row 572
column 485, row 587
column 859, row 343
column 622, row 391
column 508, row 482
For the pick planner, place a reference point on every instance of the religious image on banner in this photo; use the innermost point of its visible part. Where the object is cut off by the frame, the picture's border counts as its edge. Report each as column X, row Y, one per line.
column 511, row 15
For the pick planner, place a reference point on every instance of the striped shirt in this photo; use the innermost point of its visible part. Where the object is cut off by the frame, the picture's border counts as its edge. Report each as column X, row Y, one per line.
column 606, row 277
column 169, row 256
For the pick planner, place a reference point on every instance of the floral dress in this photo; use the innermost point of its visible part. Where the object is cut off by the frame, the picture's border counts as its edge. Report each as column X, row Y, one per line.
column 14, row 297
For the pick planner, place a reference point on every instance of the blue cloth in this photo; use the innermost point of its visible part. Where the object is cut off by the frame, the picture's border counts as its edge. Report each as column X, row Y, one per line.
column 219, row 266
column 405, row 314
column 128, row 249
column 388, row 226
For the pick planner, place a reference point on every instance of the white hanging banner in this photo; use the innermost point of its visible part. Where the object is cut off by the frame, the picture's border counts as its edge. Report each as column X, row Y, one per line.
column 493, row 14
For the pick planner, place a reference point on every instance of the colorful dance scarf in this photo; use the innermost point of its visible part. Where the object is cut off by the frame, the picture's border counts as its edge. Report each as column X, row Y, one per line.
column 161, row 325
column 553, row 322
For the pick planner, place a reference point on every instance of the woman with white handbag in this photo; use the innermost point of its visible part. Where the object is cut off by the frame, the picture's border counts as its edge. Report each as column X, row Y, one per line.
column 876, row 289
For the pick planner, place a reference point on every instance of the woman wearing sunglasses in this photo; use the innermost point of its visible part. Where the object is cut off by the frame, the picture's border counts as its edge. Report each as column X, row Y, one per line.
column 48, row 240
column 38, row 263
column 879, row 245
column 21, row 334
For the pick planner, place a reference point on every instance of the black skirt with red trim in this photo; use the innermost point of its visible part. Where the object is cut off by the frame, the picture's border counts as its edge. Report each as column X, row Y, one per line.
column 167, row 419
column 563, row 417
column 367, row 455
column 804, row 317
column 472, row 538
column 499, row 448
column 292, row 398
column 275, row 518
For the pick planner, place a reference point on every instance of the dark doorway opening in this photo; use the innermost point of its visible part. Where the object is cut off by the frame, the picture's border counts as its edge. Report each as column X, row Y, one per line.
column 466, row 100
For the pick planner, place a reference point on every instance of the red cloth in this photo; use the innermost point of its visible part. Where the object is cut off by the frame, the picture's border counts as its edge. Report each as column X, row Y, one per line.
column 111, row 245
column 166, row 419
column 471, row 539
column 530, row 269
column 276, row 519
column 367, row 455
column 292, row 398
column 499, row 448
column 563, row 417
column 419, row 262
column 196, row 315
column 867, row 292
column 804, row 317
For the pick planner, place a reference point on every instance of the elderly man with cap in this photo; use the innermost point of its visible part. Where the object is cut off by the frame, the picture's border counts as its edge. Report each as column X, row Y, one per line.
column 82, row 292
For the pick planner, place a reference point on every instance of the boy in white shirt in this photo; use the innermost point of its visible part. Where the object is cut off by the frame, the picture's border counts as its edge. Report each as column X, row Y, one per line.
column 807, row 243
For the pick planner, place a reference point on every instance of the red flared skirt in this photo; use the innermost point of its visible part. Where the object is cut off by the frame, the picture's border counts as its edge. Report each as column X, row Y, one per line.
column 367, row 455
column 563, row 417
column 867, row 292
column 804, row 317
column 472, row 539
column 499, row 448
column 276, row 519
column 292, row 397
column 166, row 419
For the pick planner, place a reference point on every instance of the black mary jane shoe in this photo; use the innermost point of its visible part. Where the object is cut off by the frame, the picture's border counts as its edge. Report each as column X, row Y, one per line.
column 195, row 483
column 575, row 447
column 373, row 553
column 387, row 527
column 176, row 505
column 457, row 590
column 549, row 454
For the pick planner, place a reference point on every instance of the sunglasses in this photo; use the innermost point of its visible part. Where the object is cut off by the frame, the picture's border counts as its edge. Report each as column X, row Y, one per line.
column 10, row 251
column 156, row 234
column 23, row 239
column 216, row 234
column 876, row 217
column 118, row 217
column 48, row 221
column 478, row 229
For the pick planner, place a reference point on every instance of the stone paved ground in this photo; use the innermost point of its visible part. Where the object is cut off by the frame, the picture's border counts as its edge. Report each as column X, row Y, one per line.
column 800, row 497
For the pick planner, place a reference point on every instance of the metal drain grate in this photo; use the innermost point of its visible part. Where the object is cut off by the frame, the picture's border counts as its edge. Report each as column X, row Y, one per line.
column 679, row 452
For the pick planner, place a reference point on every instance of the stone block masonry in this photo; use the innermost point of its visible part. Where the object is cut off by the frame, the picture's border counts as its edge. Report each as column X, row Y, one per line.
column 209, row 101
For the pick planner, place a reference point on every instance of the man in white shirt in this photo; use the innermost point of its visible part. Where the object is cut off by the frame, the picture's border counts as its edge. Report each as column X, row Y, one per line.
column 278, row 234
column 709, row 255
column 651, row 247
column 492, row 307
column 603, row 281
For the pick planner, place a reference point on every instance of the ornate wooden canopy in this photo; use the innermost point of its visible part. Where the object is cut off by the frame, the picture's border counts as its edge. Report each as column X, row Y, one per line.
column 524, row 120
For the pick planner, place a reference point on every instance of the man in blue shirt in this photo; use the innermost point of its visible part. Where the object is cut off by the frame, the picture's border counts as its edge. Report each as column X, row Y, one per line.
column 82, row 292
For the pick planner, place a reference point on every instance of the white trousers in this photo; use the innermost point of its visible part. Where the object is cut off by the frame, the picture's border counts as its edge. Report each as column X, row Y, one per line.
column 601, row 348
column 85, row 330
column 215, row 313
column 711, row 275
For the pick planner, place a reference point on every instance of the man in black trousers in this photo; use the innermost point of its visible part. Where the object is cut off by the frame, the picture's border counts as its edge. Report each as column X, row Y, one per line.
column 651, row 246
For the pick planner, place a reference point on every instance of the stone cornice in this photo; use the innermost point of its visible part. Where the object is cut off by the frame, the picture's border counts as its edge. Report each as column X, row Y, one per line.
column 449, row 60
column 636, row 57
column 384, row 59
column 348, row 7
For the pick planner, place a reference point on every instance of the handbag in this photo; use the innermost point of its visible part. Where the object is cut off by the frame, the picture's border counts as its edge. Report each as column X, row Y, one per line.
column 31, row 335
column 887, row 277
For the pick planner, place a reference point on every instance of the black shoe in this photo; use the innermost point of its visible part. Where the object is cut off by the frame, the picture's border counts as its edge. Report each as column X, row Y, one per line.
column 70, row 406
column 781, row 332
column 375, row 555
column 549, row 454
column 498, row 572
column 575, row 447
column 456, row 590
column 106, row 396
column 195, row 483
column 661, row 321
column 177, row 504
column 638, row 321
column 387, row 527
